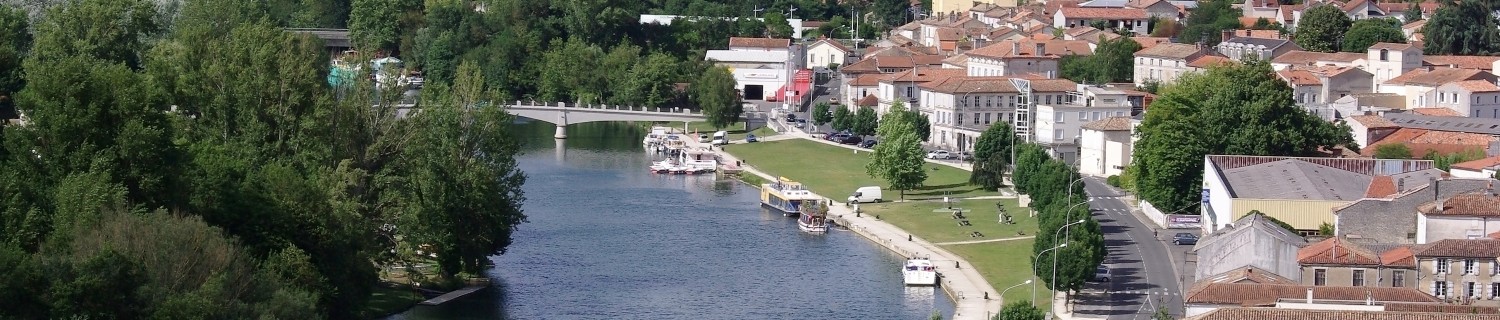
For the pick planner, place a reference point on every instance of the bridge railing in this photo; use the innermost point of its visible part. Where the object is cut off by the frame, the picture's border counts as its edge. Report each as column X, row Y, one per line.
column 545, row 104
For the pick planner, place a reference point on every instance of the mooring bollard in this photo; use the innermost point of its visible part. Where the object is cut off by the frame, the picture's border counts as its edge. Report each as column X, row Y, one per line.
column 908, row 237
column 955, row 264
column 986, row 295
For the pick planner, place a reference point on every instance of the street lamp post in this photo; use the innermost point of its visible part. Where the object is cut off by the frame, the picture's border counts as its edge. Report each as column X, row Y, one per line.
column 1002, row 292
column 1033, row 270
column 1053, row 280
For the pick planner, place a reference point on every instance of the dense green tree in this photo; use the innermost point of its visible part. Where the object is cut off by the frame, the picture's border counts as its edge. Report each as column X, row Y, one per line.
column 568, row 73
column 822, row 114
column 597, row 21
column 1462, row 28
column 1445, row 161
column 715, row 93
column 374, row 25
column 1322, row 28
column 898, row 158
column 1112, row 61
column 463, row 194
column 865, row 121
column 892, row 13
column 616, row 70
column 1020, row 310
column 1367, row 32
column 843, row 119
column 1393, row 151
column 1206, row 22
column 651, row 81
column 777, row 25
column 15, row 41
column 923, row 126
column 1413, row 13
column 991, row 156
column 1265, row 24
column 109, row 30
column 1243, row 109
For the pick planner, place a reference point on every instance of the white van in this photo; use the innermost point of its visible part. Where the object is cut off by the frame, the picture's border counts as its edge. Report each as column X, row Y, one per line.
column 721, row 138
column 865, row 195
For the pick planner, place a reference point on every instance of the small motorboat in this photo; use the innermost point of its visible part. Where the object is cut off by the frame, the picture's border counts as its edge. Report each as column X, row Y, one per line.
column 919, row 272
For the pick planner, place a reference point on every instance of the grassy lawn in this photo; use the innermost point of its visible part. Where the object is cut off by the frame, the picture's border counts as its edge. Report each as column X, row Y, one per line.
column 932, row 220
column 1005, row 264
column 835, row 172
column 386, row 300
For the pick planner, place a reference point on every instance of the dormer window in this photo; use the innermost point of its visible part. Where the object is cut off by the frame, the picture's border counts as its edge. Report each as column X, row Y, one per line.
column 1385, row 55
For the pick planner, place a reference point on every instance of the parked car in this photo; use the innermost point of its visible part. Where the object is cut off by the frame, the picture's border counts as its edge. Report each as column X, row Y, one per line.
column 1183, row 238
column 801, row 123
column 966, row 156
column 749, row 137
column 867, row 144
column 1101, row 274
column 833, row 100
column 790, row 117
column 838, row 137
column 939, row 155
column 851, row 140
column 703, row 137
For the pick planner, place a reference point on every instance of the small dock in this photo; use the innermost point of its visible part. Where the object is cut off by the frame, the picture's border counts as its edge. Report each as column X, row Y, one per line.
column 452, row 295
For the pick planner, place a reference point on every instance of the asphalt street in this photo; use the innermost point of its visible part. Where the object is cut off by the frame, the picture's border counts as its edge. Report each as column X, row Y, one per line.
column 1146, row 267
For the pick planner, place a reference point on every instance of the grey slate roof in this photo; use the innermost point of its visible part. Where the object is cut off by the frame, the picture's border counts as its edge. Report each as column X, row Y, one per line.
column 1250, row 223
column 1268, row 43
column 1440, row 123
column 1295, row 179
column 1394, row 220
column 332, row 38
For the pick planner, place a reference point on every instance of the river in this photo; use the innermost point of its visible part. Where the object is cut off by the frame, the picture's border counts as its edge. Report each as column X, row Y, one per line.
column 605, row 239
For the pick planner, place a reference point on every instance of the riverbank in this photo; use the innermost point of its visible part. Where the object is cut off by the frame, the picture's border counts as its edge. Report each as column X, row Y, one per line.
column 974, row 298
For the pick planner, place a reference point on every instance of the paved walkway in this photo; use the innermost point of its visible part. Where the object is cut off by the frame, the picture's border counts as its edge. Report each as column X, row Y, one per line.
column 983, row 241
column 973, row 297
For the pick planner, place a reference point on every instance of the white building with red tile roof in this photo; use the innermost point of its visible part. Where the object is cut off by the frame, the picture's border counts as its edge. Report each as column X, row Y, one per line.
column 1472, row 98
column 1163, row 63
column 1129, row 19
column 1023, row 57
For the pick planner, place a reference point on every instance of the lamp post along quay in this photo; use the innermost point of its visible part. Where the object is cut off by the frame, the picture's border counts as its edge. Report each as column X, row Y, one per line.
column 1033, row 270
column 1053, row 280
column 1002, row 292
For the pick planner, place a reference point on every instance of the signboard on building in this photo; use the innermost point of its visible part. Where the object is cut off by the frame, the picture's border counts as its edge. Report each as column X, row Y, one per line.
column 1205, row 195
column 1183, row 221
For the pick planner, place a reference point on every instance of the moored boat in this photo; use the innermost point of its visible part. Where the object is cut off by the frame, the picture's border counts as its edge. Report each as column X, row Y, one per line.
column 785, row 195
column 814, row 218
column 919, row 272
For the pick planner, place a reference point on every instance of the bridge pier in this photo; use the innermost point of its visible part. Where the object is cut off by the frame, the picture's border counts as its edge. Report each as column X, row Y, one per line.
column 562, row 132
column 562, row 122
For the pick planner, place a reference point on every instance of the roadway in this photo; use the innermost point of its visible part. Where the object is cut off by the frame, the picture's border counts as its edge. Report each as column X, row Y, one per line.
column 1147, row 269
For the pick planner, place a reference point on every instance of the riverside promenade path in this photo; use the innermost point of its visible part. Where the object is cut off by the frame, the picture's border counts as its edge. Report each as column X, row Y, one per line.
column 973, row 297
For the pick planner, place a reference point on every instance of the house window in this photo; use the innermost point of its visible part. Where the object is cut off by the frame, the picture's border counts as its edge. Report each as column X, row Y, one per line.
column 1398, row 279
column 1442, row 265
column 1385, row 55
column 1057, row 116
column 1440, row 288
column 986, row 118
column 960, row 119
column 1494, row 267
column 1471, row 289
column 1082, row 116
column 1469, row 266
column 1320, row 277
column 908, row 92
column 976, row 118
column 1096, row 116
column 1494, row 289
column 1056, row 134
column 1359, row 278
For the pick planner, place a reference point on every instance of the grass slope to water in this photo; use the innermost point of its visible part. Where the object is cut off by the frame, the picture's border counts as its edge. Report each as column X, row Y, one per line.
column 835, row 172
column 1003, row 263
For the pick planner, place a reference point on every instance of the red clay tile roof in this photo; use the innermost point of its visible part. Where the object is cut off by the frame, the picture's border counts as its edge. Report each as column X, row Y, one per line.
column 831, row 42
column 1422, row 141
column 1247, row 22
column 1299, row 77
column 1476, row 85
column 1462, row 248
column 958, row 85
column 1478, row 165
column 1052, row 48
column 767, row 43
column 1255, row 294
column 1103, row 13
column 1263, row 34
column 1381, row 187
column 1374, row 121
column 1473, row 204
column 1414, row 24
column 1109, row 124
column 1043, row 36
column 1170, row 51
column 1334, row 251
column 1399, row 257
column 868, row 101
column 1309, row 314
column 1443, row 308
column 870, row 79
column 921, row 75
column 1053, row 85
column 1148, row 42
column 1394, row 46
column 1461, row 62
column 1436, row 111
column 1437, row 77
column 1080, row 30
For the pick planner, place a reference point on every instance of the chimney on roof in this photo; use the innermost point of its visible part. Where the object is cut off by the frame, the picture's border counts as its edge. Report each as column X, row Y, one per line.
column 1369, row 298
column 1015, row 48
column 1226, row 35
column 1247, row 32
column 1309, row 295
column 1434, row 185
column 1041, row 49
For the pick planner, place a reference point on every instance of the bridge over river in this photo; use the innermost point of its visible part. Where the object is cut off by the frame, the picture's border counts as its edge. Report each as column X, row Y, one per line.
column 562, row 114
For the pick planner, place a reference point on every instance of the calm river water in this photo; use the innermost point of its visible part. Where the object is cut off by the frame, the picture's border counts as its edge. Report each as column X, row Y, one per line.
column 605, row 239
